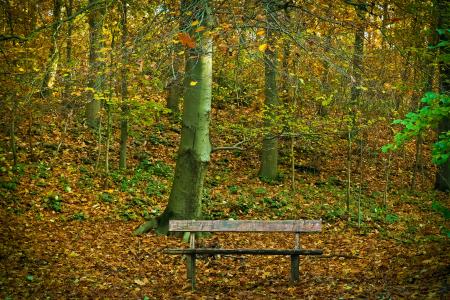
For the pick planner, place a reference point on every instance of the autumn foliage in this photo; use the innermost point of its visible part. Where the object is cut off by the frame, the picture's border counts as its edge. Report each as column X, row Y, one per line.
column 68, row 211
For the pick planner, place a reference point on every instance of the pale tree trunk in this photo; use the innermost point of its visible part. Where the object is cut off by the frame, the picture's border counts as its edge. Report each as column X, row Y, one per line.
column 96, row 77
column 185, row 201
column 176, row 83
column 428, row 65
column 68, row 73
column 358, row 54
column 269, row 153
column 52, row 64
column 124, row 90
column 323, row 106
column 443, row 6
column 355, row 93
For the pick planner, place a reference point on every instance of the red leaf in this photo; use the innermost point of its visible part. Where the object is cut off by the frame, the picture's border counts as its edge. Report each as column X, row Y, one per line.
column 186, row 40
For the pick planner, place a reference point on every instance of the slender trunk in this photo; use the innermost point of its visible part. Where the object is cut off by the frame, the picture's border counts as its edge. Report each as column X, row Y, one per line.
column 99, row 143
column 108, row 137
column 443, row 6
column 355, row 93
column 323, row 105
column 176, row 84
column 384, row 23
column 9, row 16
column 443, row 175
column 269, row 155
column 349, row 172
column 185, row 201
column 30, row 137
column 96, row 75
column 68, row 73
column 52, row 65
column 361, row 181
column 237, row 69
column 13, row 132
column 386, row 183
column 358, row 54
column 124, row 91
column 108, row 103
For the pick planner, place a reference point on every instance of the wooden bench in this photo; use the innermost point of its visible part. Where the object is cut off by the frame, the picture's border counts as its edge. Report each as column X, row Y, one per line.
column 294, row 226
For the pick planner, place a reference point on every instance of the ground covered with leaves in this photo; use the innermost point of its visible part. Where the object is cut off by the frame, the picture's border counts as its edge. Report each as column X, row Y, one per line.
column 67, row 226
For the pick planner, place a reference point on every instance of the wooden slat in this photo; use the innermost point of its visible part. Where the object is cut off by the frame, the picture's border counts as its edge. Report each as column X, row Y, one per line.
column 246, row 225
column 213, row 251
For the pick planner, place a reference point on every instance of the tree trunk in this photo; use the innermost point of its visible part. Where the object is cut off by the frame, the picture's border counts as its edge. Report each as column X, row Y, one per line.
column 124, row 90
column 96, row 77
column 68, row 73
column 443, row 6
column 269, row 155
column 358, row 54
column 355, row 93
column 323, row 105
column 52, row 65
column 176, row 84
column 185, row 201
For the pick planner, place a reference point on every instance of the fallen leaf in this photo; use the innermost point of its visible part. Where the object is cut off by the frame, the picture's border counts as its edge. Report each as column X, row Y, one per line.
column 262, row 47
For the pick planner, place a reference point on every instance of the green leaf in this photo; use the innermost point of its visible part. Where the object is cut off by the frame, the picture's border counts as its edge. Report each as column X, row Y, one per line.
column 391, row 218
column 386, row 148
column 439, row 208
column 440, row 44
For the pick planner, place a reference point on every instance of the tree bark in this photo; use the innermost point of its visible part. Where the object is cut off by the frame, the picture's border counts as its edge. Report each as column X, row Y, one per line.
column 269, row 153
column 176, row 84
column 52, row 64
column 185, row 201
column 69, row 46
column 443, row 6
column 96, row 77
column 124, row 90
column 358, row 54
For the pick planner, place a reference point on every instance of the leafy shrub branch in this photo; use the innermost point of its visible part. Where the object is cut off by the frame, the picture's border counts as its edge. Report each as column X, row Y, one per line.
column 436, row 108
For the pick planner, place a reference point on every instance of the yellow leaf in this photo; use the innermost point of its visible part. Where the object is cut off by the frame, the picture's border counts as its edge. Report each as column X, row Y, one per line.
column 196, row 22
column 262, row 47
column 193, row 83
column 200, row 28
column 73, row 254
column 141, row 282
column 260, row 32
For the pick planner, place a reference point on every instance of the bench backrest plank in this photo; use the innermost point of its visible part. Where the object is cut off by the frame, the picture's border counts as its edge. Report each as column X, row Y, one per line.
column 245, row 225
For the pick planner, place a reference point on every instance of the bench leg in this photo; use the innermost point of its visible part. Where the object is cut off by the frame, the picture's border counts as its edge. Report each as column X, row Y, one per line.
column 190, row 264
column 295, row 268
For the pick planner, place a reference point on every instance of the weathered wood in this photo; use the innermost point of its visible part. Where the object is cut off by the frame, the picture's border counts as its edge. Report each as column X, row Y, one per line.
column 190, row 265
column 246, row 226
column 295, row 262
column 190, row 251
column 294, row 226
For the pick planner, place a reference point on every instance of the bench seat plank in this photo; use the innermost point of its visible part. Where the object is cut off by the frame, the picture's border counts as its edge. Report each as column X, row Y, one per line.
column 190, row 251
column 307, row 226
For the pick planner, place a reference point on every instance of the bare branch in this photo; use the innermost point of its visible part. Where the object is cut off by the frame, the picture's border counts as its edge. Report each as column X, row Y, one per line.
column 229, row 148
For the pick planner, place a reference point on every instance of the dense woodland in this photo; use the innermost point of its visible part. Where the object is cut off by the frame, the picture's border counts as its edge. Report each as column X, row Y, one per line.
column 120, row 115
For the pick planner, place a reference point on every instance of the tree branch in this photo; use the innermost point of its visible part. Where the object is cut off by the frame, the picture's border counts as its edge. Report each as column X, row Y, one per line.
column 228, row 148
column 31, row 35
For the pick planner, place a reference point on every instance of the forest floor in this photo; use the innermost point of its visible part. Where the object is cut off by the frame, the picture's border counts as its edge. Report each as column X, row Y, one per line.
column 67, row 227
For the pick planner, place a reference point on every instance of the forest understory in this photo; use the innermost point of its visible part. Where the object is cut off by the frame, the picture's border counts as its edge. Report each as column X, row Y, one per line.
column 120, row 115
column 67, row 227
